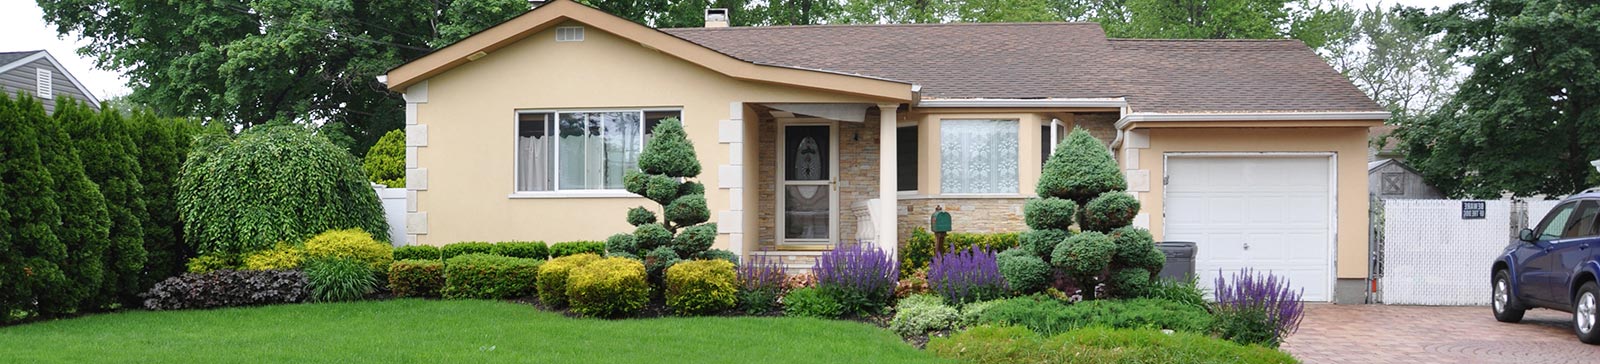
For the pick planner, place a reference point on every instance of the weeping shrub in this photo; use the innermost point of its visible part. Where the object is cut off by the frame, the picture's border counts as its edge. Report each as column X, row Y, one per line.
column 967, row 276
column 272, row 183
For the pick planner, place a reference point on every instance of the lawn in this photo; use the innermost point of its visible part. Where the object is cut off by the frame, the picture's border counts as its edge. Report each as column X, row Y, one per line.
column 429, row 331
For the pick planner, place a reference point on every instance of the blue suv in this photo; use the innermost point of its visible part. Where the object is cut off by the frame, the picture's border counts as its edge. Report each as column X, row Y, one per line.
column 1554, row 266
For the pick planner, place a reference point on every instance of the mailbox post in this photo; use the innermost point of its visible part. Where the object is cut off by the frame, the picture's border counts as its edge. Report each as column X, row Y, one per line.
column 941, row 226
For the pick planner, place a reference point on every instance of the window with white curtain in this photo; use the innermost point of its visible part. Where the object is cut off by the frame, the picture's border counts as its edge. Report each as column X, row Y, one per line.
column 581, row 150
column 978, row 156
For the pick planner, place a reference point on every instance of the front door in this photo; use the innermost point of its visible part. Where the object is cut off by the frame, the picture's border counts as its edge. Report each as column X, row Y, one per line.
column 808, row 202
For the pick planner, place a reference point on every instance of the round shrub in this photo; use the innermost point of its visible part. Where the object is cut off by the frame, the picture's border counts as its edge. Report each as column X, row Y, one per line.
column 416, row 277
column 1084, row 255
column 621, row 243
column 701, row 287
column 610, row 287
column 422, row 252
column 1080, row 169
column 811, row 302
column 688, row 210
column 1024, row 272
column 1135, row 248
column 351, row 244
column 661, row 189
column 1049, row 213
column 339, row 279
column 635, row 182
column 1109, row 211
column 273, row 183
column 522, row 249
column 920, row 314
column 640, row 216
column 566, row 248
column 489, row 276
column 719, row 254
column 695, row 239
column 691, row 188
column 552, row 277
column 385, row 162
column 652, row 236
column 284, row 256
column 1130, row 282
column 1042, row 243
column 466, row 247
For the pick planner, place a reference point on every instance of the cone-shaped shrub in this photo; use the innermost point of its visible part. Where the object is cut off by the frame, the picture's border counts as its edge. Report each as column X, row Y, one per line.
column 273, row 183
column 85, row 225
column 30, row 253
column 162, row 145
column 669, row 152
column 109, row 159
column 1080, row 169
column 666, row 165
column 385, row 162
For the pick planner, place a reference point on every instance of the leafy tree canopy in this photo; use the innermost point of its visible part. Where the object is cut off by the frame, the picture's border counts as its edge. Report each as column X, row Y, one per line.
column 1526, row 120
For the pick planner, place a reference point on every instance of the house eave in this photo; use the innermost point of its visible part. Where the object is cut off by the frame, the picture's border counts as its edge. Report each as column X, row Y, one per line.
column 1139, row 117
column 1116, row 102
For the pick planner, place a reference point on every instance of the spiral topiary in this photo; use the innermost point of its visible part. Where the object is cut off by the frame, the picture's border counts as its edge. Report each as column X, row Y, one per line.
column 666, row 169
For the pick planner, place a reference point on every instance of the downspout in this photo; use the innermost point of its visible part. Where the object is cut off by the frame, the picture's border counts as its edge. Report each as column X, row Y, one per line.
column 1122, row 112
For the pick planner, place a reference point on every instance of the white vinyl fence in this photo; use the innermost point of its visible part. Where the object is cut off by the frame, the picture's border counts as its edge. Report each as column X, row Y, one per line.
column 1431, row 256
column 394, row 211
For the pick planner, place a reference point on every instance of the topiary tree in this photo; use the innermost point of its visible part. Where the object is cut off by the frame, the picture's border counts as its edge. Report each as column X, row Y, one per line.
column 1081, row 183
column 385, row 162
column 272, row 183
column 162, row 144
column 30, row 253
column 85, row 224
column 667, row 166
column 109, row 158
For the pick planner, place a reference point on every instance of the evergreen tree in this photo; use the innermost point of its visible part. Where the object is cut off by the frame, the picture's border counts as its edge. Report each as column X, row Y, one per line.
column 85, row 225
column 385, row 163
column 162, row 143
column 666, row 166
column 30, row 253
column 107, row 151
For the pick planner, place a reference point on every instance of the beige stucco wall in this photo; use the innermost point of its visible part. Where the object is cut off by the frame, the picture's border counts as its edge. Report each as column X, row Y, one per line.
column 467, row 133
column 1349, row 143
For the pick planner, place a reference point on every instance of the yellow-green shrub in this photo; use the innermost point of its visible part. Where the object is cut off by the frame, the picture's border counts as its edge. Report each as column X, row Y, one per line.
column 206, row 263
column 284, row 256
column 354, row 244
column 608, row 288
column 702, row 286
column 552, row 278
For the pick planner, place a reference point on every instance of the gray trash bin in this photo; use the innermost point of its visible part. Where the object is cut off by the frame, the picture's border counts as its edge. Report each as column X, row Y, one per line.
column 1180, row 259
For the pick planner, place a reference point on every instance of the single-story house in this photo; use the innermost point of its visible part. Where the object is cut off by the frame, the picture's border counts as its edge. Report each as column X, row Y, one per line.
column 40, row 74
column 815, row 135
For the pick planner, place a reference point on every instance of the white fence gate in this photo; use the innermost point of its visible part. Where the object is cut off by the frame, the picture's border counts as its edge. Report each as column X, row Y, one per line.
column 394, row 211
column 1430, row 255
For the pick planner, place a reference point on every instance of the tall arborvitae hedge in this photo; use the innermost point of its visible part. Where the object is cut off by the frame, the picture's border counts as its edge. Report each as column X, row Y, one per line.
column 30, row 254
column 85, row 223
column 109, row 158
column 162, row 144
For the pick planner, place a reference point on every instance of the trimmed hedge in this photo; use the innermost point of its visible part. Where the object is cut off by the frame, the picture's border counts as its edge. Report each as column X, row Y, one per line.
column 416, row 277
column 227, row 288
column 522, row 249
column 1049, row 316
column 701, row 287
column 577, row 247
column 610, row 287
column 1009, row 344
column 552, row 277
column 489, row 276
column 466, row 247
column 417, row 252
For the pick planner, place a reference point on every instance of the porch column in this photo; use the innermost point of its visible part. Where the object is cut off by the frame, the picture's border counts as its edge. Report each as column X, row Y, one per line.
column 888, row 190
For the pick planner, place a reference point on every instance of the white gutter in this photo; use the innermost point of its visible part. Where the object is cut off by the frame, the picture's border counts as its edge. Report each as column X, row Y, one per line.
column 1090, row 102
column 1252, row 116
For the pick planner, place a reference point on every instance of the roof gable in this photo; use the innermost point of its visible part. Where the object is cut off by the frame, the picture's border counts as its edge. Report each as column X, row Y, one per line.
column 12, row 60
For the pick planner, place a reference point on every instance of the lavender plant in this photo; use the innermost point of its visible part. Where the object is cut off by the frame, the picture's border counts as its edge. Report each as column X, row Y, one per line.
column 861, row 277
column 967, row 276
column 1257, row 308
column 760, row 283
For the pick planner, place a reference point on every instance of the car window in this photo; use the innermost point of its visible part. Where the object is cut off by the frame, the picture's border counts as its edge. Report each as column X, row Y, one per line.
column 1555, row 221
column 1582, row 222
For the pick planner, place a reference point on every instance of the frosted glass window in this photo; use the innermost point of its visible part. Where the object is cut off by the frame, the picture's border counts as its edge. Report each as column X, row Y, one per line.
column 978, row 156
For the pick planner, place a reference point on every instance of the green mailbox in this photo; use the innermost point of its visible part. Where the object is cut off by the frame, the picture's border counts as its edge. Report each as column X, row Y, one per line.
column 941, row 220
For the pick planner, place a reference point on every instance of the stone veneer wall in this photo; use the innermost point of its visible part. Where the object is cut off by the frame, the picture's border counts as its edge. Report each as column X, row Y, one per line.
column 858, row 176
column 967, row 215
column 1101, row 125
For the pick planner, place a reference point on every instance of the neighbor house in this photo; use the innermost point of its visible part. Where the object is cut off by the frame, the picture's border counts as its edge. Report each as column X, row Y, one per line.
column 815, row 135
column 38, row 73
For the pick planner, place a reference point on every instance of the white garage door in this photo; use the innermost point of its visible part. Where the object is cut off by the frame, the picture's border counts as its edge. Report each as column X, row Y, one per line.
column 1266, row 212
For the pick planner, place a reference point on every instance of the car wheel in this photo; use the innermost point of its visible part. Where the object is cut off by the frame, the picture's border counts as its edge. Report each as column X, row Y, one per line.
column 1584, row 313
column 1506, row 307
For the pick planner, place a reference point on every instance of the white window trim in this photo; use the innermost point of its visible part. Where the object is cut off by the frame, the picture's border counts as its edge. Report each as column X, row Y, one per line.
column 1018, row 123
column 557, row 192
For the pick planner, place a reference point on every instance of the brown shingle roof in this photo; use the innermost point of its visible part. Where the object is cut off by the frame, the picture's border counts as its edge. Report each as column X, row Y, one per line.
column 1054, row 60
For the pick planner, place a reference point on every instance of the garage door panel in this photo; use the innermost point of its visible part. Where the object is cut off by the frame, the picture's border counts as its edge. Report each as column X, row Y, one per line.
column 1271, row 214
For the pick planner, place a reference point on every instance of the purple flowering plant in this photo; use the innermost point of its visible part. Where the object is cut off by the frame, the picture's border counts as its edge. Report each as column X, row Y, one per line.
column 760, row 283
column 967, row 276
column 1257, row 308
column 860, row 276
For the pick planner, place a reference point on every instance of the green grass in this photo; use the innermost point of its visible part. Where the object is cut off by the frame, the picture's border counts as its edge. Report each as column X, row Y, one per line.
column 424, row 331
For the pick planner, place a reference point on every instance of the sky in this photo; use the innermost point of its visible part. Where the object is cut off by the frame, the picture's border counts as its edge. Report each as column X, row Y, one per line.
column 23, row 25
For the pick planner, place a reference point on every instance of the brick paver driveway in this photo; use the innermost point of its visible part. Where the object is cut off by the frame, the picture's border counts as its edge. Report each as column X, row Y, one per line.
column 1381, row 334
